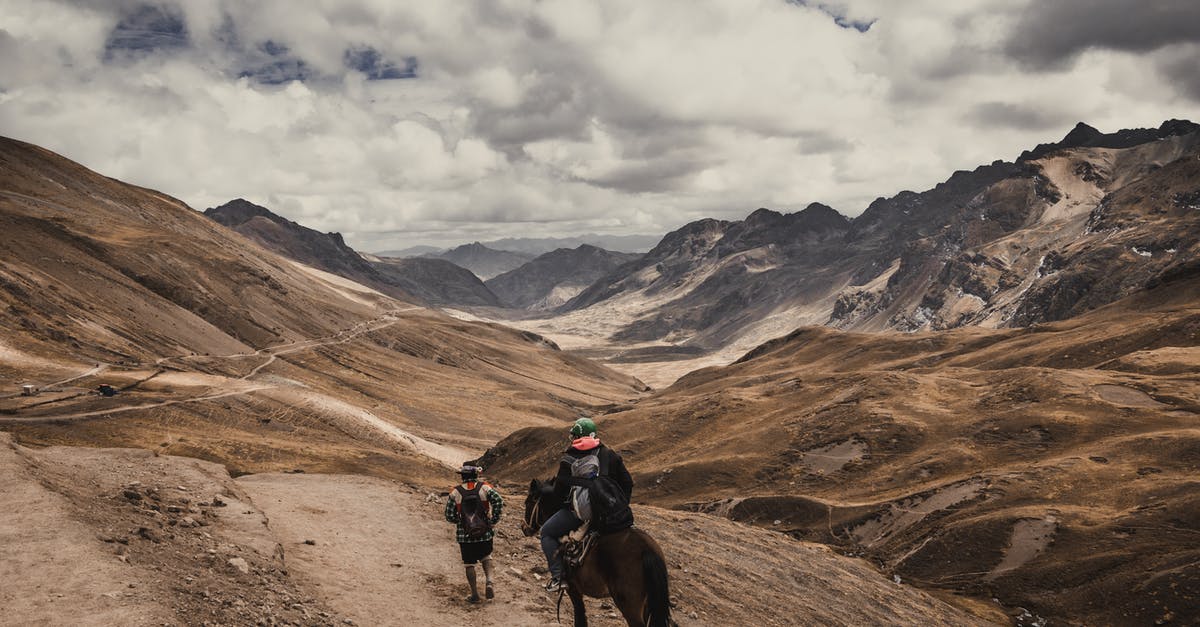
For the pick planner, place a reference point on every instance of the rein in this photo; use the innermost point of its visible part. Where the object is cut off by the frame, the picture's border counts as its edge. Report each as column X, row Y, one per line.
column 533, row 517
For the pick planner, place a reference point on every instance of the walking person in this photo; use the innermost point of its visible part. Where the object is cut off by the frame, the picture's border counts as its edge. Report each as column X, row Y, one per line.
column 474, row 507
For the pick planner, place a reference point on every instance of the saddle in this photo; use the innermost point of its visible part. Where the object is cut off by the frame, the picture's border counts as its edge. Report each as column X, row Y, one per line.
column 576, row 545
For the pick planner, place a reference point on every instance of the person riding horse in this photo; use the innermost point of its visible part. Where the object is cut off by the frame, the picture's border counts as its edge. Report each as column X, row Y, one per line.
column 626, row 565
column 584, row 443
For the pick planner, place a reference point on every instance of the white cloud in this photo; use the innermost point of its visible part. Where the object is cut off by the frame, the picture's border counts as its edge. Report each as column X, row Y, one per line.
column 554, row 118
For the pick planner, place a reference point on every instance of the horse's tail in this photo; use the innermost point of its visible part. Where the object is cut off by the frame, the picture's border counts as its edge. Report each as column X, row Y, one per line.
column 658, row 593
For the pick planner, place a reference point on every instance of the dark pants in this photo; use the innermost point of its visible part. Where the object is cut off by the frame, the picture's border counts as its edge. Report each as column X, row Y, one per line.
column 472, row 552
column 560, row 524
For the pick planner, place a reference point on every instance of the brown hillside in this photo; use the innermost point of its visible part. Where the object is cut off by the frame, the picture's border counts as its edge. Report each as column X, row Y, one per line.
column 1053, row 468
column 225, row 351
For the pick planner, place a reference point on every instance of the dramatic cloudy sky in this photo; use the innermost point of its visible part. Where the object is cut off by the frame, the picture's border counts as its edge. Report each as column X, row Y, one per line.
column 400, row 122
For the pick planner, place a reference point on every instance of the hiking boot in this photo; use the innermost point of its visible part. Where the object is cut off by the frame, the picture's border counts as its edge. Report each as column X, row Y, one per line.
column 488, row 592
column 555, row 585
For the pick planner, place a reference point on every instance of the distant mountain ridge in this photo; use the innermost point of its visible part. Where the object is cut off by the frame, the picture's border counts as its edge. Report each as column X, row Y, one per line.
column 483, row 261
column 325, row 251
column 432, row 281
column 1068, row 227
column 437, row 281
column 553, row 278
column 542, row 245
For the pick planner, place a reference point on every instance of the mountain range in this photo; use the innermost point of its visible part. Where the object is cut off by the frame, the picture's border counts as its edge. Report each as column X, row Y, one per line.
column 254, row 360
column 987, row 390
column 542, row 245
column 553, row 278
column 540, row 283
column 425, row 280
column 484, row 262
column 1068, row 227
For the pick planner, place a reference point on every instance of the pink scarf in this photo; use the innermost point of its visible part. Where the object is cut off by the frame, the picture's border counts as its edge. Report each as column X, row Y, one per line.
column 586, row 443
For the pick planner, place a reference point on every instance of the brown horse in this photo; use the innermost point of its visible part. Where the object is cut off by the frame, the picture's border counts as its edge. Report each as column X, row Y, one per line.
column 627, row 565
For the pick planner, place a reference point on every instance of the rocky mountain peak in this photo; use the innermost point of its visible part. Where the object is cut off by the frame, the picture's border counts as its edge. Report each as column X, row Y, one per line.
column 1084, row 136
column 1173, row 127
column 240, row 211
column 1080, row 135
column 763, row 216
column 819, row 216
column 485, row 262
column 694, row 237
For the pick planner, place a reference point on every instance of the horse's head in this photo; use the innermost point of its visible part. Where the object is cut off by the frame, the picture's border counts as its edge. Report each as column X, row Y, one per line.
column 538, row 506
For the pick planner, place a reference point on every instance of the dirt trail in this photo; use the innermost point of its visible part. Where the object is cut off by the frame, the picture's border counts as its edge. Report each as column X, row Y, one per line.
column 375, row 542
column 383, row 555
column 126, row 537
column 240, row 388
column 53, row 566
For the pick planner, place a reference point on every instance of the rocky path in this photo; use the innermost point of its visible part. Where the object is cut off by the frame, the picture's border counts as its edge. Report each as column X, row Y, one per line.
column 53, row 567
column 126, row 537
column 381, row 554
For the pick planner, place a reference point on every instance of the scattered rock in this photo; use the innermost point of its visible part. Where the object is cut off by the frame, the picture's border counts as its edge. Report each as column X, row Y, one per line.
column 311, row 542
column 149, row 534
column 217, row 501
column 132, row 495
column 240, row 564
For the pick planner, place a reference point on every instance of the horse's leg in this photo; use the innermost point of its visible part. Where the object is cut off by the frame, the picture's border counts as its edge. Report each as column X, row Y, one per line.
column 577, row 605
column 630, row 600
column 641, row 592
column 623, row 574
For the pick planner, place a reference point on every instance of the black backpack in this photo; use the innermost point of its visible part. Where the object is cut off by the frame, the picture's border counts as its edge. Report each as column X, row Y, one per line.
column 473, row 512
column 610, row 506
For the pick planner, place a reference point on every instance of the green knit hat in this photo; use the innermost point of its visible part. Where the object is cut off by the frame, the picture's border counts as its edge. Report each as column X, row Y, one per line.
column 582, row 427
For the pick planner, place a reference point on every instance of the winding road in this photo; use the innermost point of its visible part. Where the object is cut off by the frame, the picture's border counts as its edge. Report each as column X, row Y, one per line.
column 447, row 455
